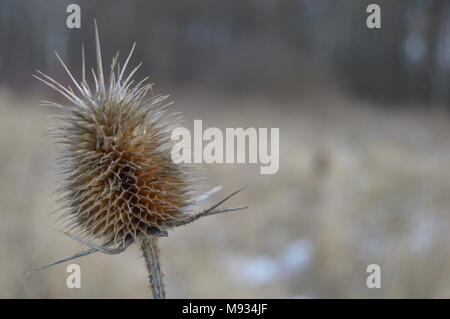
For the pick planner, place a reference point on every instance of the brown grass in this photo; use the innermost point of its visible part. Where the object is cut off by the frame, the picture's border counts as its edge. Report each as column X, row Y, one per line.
column 356, row 185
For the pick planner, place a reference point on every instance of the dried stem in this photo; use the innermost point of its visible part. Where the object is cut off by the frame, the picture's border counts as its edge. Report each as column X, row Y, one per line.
column 151, row 255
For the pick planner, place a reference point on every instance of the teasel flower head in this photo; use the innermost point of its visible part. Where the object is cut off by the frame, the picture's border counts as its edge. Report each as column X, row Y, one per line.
column 119, row 183
column 118, row 178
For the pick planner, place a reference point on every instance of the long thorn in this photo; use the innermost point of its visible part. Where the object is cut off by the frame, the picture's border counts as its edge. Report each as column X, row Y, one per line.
column 210, row 211
column 101, row 79
column 225, row 199
column 103, row 249
column 59, row 261
column 223, row 210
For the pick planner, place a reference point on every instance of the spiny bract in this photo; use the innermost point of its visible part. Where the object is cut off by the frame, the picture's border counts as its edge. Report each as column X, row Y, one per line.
column 119, row 181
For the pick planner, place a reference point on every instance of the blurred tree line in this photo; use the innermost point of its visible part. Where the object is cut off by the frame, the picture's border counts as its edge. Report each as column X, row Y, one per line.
column 245, row 47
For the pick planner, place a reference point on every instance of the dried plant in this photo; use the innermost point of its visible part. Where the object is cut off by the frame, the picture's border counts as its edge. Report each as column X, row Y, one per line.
column 119, row 183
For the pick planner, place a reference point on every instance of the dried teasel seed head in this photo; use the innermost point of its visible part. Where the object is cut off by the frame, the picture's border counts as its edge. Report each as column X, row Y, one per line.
column 118, row 179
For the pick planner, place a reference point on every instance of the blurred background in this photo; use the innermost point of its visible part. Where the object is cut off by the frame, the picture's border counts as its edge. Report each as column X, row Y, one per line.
column 364, row 145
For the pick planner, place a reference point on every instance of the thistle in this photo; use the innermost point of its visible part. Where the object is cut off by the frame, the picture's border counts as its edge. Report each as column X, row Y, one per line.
column 119, row 184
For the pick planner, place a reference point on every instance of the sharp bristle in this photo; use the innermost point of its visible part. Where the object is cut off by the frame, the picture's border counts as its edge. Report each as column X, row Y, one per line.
column 99, row 59
column 83, row 64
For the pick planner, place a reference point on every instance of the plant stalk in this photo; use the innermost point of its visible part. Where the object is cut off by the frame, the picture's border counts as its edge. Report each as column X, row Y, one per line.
column 151, row 254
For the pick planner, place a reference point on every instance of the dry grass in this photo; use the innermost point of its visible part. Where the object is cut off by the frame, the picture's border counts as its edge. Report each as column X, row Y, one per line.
column 356, row 186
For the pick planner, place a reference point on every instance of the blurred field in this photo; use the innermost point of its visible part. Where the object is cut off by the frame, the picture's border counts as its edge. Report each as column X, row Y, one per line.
column 356, row 186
